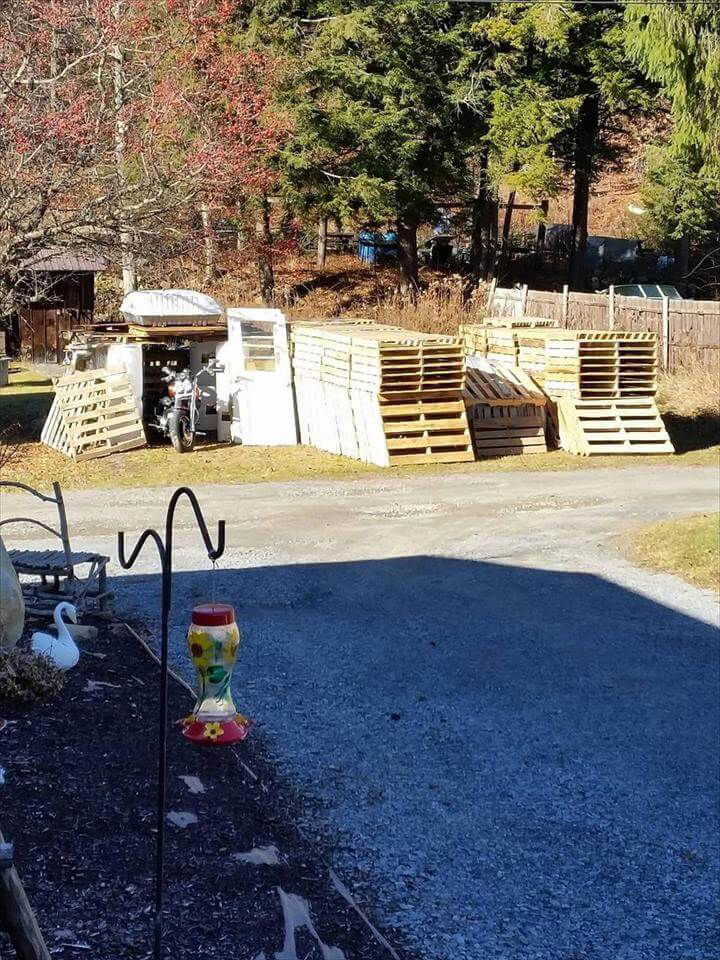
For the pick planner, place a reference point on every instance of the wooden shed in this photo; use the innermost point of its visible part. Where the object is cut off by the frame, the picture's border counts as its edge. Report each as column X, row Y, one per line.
column 63, row 285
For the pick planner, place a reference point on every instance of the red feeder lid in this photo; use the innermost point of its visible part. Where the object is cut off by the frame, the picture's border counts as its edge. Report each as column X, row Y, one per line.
column 213, row 615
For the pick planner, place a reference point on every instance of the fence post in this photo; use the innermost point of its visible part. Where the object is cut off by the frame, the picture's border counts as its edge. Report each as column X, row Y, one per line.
column 523, row 306
column 666, row 332
column 491, row 296
column 611, row 308
column 565, row 304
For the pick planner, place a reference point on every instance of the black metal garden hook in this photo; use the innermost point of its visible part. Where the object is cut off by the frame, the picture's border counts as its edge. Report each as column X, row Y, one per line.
column 165, row 552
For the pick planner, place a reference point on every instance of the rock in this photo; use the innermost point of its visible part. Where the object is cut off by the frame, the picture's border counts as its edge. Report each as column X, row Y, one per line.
column 12, row 605
column 81, row 631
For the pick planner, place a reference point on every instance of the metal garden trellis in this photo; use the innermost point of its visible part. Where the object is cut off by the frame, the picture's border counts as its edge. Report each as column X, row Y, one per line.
column 165, row 552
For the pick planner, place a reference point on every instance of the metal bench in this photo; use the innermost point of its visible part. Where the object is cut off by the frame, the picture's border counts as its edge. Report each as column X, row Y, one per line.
column 59, row 579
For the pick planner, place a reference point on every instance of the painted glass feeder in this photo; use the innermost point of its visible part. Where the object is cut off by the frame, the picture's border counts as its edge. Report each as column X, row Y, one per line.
column 213, row 641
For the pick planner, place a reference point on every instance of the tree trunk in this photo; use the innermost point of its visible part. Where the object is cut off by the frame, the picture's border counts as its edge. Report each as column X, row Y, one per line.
column 265, row 264
column 507, row 222
column 585, row 149
column 483, row 233
column 540, row 233
column 124, row 231
column 682, row 264
column 322, row 242
column 239, row 238
column 210, row 273
column 407, row 225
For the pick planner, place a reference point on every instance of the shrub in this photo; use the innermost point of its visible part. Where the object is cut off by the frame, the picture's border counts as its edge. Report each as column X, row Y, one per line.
column 26, row 677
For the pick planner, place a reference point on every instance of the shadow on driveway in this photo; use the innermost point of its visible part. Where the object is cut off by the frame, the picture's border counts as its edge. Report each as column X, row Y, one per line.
column 525, row 760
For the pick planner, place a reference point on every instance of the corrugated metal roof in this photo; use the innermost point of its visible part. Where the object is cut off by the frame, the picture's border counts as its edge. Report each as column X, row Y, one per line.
column 58, row 260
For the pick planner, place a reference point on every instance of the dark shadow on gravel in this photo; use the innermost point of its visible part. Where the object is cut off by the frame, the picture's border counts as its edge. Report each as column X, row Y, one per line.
column 524, row 760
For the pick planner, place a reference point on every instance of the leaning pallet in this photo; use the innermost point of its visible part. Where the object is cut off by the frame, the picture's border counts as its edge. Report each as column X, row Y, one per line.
column 506, row 411
column 382, row 394
column 626, row 426
column 93, row 414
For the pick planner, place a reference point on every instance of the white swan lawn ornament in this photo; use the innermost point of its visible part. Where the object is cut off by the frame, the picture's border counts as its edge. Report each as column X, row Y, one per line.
column 60, row 650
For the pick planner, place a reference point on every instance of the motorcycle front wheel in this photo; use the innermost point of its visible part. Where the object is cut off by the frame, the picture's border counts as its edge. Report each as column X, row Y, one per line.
column 181, row 436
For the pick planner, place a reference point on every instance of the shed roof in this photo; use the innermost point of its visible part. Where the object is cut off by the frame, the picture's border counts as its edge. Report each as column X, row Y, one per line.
column 60, row 260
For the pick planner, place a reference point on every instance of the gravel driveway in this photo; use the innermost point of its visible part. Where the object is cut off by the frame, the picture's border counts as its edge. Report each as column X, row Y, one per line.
column 510, row 732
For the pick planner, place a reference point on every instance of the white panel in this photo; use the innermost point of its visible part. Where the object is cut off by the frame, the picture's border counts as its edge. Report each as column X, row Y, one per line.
column 222, row 387
column 259, row 377
column 128, row 357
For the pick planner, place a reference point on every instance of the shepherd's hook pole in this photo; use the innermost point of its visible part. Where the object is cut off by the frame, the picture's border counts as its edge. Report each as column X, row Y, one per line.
column 165, row 552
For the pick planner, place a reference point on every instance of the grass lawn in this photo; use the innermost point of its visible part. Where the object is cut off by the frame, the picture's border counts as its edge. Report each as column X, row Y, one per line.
column 689, row 547
column 25, row 402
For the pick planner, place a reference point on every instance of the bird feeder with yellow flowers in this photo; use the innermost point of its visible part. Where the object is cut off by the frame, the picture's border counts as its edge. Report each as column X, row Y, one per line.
column 213, row 641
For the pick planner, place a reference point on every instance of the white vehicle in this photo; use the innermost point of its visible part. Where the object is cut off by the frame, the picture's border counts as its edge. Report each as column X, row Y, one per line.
column 648, row 291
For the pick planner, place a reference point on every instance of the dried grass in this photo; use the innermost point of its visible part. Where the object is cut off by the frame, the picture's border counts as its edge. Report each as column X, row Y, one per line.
column 689, row 400
column 26, row 677
column 691, row 391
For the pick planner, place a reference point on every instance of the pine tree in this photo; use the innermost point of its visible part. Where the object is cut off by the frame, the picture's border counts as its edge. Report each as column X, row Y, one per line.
column 678, row 47
column 377, row 133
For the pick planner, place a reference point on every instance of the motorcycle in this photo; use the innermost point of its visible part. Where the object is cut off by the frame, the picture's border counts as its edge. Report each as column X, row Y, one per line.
column 177, row 411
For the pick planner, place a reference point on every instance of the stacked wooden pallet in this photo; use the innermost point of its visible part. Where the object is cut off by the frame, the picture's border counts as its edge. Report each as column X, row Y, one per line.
column 93, row 414
column 502, row 346
column 474, row 338
column 574, row 368
column 590, row 363
column 506, row 411
column 516, row 322
column 381, row 394
column 498, row 337
column 627, row 426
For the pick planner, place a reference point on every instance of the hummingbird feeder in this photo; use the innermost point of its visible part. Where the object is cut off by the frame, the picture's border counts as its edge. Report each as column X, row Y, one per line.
column 213, row 640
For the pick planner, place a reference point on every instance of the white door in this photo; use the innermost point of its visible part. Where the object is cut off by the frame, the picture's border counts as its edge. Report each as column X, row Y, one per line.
column 258, row 361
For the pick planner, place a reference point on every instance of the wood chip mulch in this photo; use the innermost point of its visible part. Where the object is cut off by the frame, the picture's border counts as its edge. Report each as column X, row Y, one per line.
column 78, row 802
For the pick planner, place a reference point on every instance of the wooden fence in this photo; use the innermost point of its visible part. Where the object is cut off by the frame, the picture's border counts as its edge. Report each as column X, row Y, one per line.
column 688, row 330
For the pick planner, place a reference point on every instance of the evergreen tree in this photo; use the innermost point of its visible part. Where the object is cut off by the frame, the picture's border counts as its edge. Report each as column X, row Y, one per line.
column 678, row 47
column 552, row 85
column 377, row 133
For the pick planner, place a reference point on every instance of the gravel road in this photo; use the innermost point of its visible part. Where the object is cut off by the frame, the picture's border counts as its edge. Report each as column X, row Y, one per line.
column 510, row 731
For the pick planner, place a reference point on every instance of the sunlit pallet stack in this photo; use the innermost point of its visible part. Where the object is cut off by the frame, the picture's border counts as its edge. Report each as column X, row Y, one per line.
column 474, row 339
column 591, row 363
column 381, row 394
column 617, row 369
column 498, row 337
column 519, row 322
column 506, row 410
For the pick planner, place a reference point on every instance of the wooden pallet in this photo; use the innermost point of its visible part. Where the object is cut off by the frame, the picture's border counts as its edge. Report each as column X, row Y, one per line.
column 506, row 410
column 491, row 383
column 426, row 431
column 93, row 414
column 590, row 363
column 388, row 360
column 380, row 393
column 199, row 331
column 499, row 431
column 626, row 426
